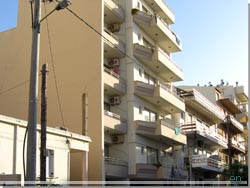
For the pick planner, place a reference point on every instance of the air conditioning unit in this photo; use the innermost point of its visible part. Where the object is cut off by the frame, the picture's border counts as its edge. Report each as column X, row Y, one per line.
column 114, row 63
column 115, row 100
column 117, row 139
column 114, row 27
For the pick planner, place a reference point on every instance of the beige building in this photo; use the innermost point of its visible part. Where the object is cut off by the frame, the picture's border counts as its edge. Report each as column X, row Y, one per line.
column 117, row 89
column 62, row 148
column 214, row 123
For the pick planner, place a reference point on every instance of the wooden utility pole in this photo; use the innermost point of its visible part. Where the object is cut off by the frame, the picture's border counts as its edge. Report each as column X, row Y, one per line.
column 43, row 153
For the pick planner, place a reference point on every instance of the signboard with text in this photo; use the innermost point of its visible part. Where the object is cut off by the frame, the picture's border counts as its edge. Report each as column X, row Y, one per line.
column 199, row 160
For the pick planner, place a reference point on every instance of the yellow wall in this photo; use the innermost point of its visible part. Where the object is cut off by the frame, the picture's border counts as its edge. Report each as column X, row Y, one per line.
column 77, row 53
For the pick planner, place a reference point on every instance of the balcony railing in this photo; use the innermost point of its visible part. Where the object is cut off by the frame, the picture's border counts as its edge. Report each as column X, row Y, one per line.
column 236, row 123
column 204, row 130
column 171, row 89
column 162, row 8
column 206, row 103
column 116, row 161
column 158, row 30
column 111, row 114
column 163, row 53
column 112, row 73
column 238, row 144
column 115, row 43
column 203, row 161
column 114, row 13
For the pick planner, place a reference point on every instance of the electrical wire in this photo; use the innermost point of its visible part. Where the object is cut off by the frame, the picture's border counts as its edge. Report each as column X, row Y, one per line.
column 24, row 140
column 125, row 54
column 14, row 87
column 53, row 67
column 91, row 27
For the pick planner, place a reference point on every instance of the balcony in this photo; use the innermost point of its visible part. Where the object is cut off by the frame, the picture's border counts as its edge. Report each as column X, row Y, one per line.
column 172, row 173
column 116, row 168
column 158, row 30
column 148, row 171
column 238, row 147
column 162, row 131
column 241, row 95
column 113, row 84
column 208, row 164
column 158, row 61
column 230, row 106
column 161, row 8
column 113, row 123
column 243, row 116
column 205, row 133
column 201, row 104
column 113, row 47
column 113, row 13
column 161, row 96
column 234, row 126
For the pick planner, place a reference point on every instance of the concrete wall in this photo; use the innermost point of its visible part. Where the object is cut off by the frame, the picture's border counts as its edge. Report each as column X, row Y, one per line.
column 11, row 145
column 77, row 56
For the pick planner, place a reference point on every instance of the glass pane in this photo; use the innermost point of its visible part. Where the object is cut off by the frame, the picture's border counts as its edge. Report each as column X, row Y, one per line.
column 146, row 115
column 153, row 117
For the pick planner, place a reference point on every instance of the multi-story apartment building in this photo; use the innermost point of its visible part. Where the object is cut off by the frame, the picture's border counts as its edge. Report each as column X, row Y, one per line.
column 116, row 88
column 213, row 123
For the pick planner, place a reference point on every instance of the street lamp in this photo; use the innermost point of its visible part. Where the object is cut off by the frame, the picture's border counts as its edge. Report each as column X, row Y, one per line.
column 33, row 88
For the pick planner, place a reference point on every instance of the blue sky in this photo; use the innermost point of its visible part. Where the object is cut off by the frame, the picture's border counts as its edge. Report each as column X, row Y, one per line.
column 214, row 36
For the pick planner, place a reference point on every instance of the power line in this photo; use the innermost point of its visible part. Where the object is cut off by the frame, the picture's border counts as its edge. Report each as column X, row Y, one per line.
column 54, row 71
column 91, row 27
column 14, row 87
column 107, row 40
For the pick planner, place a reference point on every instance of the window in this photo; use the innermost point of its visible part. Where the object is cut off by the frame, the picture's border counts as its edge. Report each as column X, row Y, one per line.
column 149, row 79
column 182, row 115
column 152, row 155
column 146, row 43
column 142, row 150
column 138, row 5
column 149, row 115
column 140, row 109
column 140, row 72
column 189, row 118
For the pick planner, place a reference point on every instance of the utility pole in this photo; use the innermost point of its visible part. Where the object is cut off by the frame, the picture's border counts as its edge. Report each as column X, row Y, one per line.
column 43, row 153
column 33, row 94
